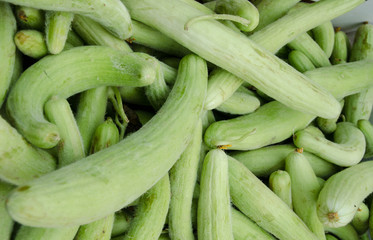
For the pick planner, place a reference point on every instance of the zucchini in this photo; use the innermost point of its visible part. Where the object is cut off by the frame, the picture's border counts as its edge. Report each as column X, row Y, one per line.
column 299, row 61
column 90, row 66
column 7, row 223
column 280, row 183
column 366, row 127
column 328, row 126
column 324, row 36
column 343, row 193
column 343, row 233
column 340, row 50
column 30, row 18
column 31, row 43
column 30, row 233
column 118, row 171
column 361, row 219
column 122, row 221
column 57, row 26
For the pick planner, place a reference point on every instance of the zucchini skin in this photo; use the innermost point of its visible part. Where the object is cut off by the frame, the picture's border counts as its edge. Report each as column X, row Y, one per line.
column 7, row 222
column 89, row 67
column 343, row 233
column 343, row 193
column 324, row 36
column 361, row 219
column 340, row 52
column 30, row 18
column 57, row 26
column 299, row 61
column 367, row 128
column 30, row 233
column 280, row 183
column 111, row 179
column 31, row 43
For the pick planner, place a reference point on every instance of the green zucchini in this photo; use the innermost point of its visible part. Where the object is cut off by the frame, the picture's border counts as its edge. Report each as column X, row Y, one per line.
column 343, row 193
column 122, row 221
column 347, row 149
column 89, row 67
column 74, row 39
column 340, row 50
column 328, row 236
column 30, row 233
column 118, row 171
column 328, row 126
column 31, row 43
column 134, row 95
column 343, row 233
column 214, row 211
column 299, row 61
column 7, row 223
column 361, row 219
column 57, row 26
column 366, row 127
column 280, row 183
column 324, row 36
column 30, row 18
column 105, row 135
column 158, row 91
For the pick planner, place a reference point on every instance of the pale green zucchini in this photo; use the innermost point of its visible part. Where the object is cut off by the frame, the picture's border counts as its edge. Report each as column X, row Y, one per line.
column 105, row 135
column 183, row 177
column 242, row 8
column 243, row 101
column 100, row 229
column 340, row 50
column 311, row 49
column 57, row 26
column 90, row 113
column 18, row 68
column 70, row 146
column 30, row 18
column 343, row 193
column 214, row 210
column 158, row 91
column 259, row 203
column 271, row 123
column 114, row 177
column 343, row 233
column 280, row 184
column 122, row 221
column 31, row 43
column 361, row 219
column 88, row 67
column 304, row 190
column 113, row 15
column 367, row 128
column 244, row 228
column 30, row 233
column 144, row 116
column 347, row 149
column 263, row 161
column 251, row 62
column 8, row 28
column 135, row 95
column 324, row 36
column 299, row 61
column 328, row 236
column 361, row 48
column 151, row 212
column 7, row 223
column 19, row 161
column 74, row 39
column 328, row 126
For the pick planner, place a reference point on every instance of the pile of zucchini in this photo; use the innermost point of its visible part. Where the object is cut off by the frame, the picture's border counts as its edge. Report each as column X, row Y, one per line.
column 184, row 119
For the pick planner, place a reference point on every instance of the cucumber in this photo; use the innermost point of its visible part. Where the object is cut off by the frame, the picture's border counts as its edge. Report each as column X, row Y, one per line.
column 31, row 43
column 299, row 61
column 361, row 219
column 122, row 172
column 7, row 223
column 57, row 26
column 366, row 127
column 343, row 193
column 90, row 66
column 280, row 183
column 324, row 36
column 347, row 149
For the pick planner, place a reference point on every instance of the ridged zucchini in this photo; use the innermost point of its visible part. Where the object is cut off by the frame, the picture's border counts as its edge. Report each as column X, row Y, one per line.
column 57, row 26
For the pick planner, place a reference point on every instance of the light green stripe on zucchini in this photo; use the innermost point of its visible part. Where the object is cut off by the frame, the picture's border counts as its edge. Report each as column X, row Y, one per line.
column 112, row 172
column 88, row 67
column 57, row 26
column 258, row 202
column 305, row 189
column 324, row 36
column 299, row 61
column 244, row 58
column 361, row 219
column 31, row 43
column 183, row 177
column 19, row 161
column 111, row 14
column 214, row 211
column 343, row 233
column 367, row 128
column 7, row 223
column 7, row 48
column 280, row 184
column 347, row 149
column 343, row 193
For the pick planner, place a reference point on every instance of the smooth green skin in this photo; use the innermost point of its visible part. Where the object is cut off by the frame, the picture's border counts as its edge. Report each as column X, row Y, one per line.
column 263, row 161
column 253, row 198
column 343, row 233
column 105, row 135
column 242, row 8
column 18, row 68
column 362, row 48
column 328, row 126
column 7, row 223
column 19, row 161
column 8, row 28
column 30, row 233
column 88, row 67
column 183, row 177
column 214, row 220
column 343, row 193
column 113, row 15
column 30, row 18
column 299, row 61
column 70, row 146
column 109, row 180
column 151, row 212
column 57, row 26
column 244, row 228
column 90, row 113
column 346, row 149
column 158, row 91
column 243, row 101
column 122, row 221
column 243, row 57
column 311, row 49
column 31, row 43
column 324, row 36
column 330, row 237
column 361, row 219
column 367, row 128
column 340, row 49
column 280, row 184
column 304, row 190
column 149, row 37
column 271, row 123
column 100, row 229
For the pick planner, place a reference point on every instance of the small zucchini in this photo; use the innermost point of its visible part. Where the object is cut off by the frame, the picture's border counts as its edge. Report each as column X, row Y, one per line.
column 57, row 26
column 361, row 219
column 300, row 61
column 280, row 183
column 324, row 36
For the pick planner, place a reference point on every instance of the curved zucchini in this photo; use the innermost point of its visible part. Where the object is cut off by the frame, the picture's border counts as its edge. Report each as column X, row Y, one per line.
column 31, row 43
column 89, row 67
column 214, row 211
column 30, row 18
column 118, row 171
column 347, row 149
column 361, row 219
column 57, row 26
column 324, row 36
column 7, row 223
column 367, row 128
column 279, row 183
column 343, row 193
column 299, row 61
column 111, row 14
